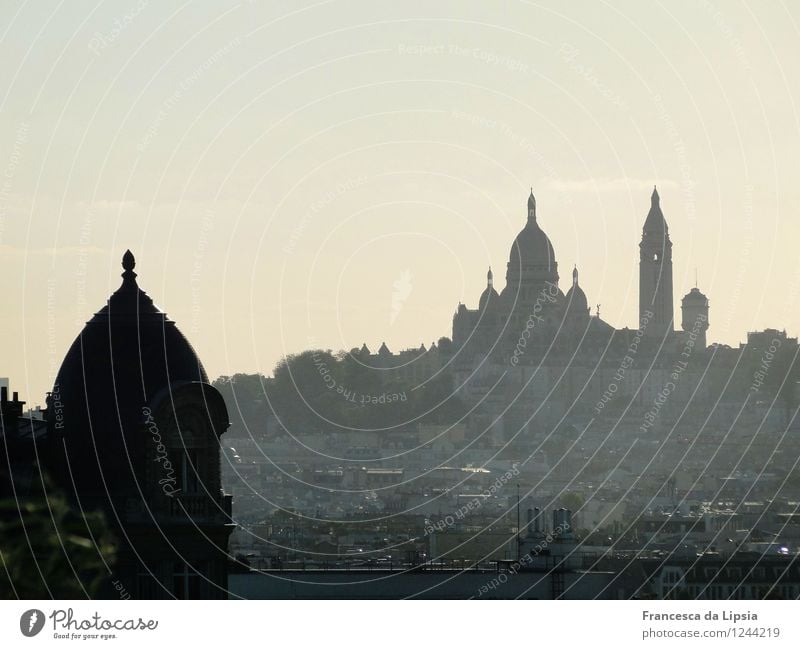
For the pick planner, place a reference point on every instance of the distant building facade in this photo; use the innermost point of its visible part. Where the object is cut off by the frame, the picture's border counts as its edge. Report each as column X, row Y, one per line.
column 530, row 354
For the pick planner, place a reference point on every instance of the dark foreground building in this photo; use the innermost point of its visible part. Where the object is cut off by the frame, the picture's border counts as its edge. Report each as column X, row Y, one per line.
column 133, row 431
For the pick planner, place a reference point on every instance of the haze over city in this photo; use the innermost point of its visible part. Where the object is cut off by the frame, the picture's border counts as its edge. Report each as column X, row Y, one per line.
column 371, row 300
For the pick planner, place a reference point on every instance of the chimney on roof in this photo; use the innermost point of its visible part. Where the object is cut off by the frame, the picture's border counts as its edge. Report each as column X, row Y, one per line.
column 10, row 411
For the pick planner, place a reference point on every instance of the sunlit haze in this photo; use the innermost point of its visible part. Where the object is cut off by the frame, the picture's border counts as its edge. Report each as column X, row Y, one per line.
column 293, row 175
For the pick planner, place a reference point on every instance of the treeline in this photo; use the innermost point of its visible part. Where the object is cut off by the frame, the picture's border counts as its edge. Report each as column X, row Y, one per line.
column 319, row 391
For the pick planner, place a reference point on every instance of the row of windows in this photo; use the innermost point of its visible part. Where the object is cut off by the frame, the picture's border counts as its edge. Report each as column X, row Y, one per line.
column 736, row 572
column 790, row 591
column 183, row 581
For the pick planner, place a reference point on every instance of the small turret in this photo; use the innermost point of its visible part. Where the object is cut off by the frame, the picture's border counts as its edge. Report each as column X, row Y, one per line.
column 694, row 309
column 577, row 304
column 489, row 297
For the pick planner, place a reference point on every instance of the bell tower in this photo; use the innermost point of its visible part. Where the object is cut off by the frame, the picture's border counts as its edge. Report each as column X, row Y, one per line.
column 655, row 273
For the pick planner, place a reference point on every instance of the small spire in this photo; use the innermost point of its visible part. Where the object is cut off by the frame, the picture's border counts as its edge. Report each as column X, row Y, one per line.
column 532, row 207
column 128, row 264
column 575, row 275
column 489, row 277
column 655, row 225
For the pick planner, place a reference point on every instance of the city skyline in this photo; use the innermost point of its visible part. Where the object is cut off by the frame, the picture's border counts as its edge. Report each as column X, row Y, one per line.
column 361, row 300
column 400, row 293
column 289, row 181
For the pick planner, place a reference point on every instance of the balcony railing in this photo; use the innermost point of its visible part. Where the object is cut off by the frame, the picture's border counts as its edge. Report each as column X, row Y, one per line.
column 198, row 507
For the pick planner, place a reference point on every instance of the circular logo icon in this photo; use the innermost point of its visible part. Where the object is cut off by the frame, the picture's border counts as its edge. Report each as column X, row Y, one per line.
column 31, row 622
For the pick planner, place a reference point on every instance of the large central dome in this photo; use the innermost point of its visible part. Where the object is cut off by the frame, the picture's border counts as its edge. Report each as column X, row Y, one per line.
column 532, row 248
column 532, row 258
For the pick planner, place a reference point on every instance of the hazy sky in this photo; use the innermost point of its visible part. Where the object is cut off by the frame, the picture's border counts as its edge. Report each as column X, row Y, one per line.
column 291, row 174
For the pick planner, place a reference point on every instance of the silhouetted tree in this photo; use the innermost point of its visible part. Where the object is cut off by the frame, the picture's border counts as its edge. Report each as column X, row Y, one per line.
column 49, row 549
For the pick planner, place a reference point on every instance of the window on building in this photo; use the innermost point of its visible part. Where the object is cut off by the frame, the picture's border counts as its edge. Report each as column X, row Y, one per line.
column 148, row 586
column 190, row 466
column 186, row 582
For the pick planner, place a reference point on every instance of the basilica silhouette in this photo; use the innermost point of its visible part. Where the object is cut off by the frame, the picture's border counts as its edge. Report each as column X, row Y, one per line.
column 532, row 312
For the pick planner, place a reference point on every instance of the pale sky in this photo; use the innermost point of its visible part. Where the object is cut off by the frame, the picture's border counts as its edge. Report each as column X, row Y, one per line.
column 293, row 174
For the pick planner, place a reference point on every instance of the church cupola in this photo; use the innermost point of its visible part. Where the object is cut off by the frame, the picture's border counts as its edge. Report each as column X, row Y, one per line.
column 531, row 262
column 140, row 440
column 576, row 302
column 489, row 295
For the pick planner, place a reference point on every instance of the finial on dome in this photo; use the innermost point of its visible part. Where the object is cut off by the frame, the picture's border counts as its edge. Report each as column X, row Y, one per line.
column 654, row 196
column 575, row 275
column 128, row 264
